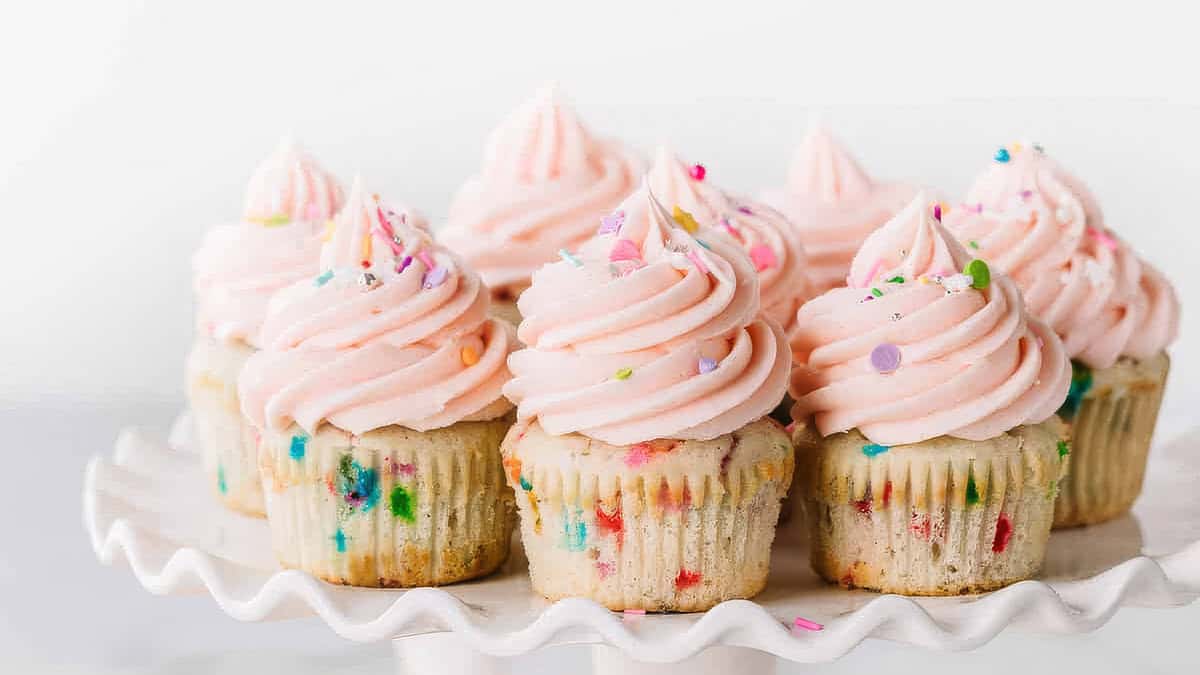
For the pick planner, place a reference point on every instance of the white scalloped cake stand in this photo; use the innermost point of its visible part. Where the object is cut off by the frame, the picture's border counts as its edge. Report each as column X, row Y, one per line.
column 149, row 505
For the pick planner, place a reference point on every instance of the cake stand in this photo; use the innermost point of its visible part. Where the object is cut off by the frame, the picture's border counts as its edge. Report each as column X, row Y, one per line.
column 147, row 504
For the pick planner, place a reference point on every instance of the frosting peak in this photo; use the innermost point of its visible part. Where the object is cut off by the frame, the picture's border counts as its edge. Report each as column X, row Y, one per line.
column 393, row 330
column 289, row 186
column 646, row 333
column 822, row 170
column 927, row 342
column 544, row 182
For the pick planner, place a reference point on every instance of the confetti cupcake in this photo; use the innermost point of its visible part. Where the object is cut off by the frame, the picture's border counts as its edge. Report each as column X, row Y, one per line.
column 1115, row 313
column 545, row 183
column 647, row 475
column 834, row 205
column 237, row 269
column 378, row 397
column 928, row 448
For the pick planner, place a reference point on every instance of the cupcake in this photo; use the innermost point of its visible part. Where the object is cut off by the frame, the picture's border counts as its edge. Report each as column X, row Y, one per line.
column 647, row 475
column 834, row 205
column 928, row 450
column 378, row 397
column 237, row 268
column 1115, row 314
column 545, row 183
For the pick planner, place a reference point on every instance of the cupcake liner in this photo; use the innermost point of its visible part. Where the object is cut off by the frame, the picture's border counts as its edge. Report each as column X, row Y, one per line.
column 228, row 442
column 940, row 517
column 391, row 508
column 658, row 526
column 1112, row 413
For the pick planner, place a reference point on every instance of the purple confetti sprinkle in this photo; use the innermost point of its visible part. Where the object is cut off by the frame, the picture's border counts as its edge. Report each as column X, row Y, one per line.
column 707, row 365
column 937, row 212
column 885, row 357
column 404, row 264
column 434, row 277
column 746, row 210
column 611, row 224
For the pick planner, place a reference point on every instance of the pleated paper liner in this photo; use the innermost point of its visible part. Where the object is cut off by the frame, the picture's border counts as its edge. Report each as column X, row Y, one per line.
column 228, row 443
column 940, row 517
column 658, row 526
column 1112, row 413
column 393, row 507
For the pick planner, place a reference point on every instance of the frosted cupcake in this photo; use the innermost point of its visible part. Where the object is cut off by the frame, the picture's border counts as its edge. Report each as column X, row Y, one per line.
column 834, row 205
column 1115, row 314
column 378, row 397
column 237, row 268
column 646, row 474
column 545, row 183
column 927, row 444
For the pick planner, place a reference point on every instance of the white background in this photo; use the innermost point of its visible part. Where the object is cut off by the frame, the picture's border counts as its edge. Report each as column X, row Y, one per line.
column 126, row 130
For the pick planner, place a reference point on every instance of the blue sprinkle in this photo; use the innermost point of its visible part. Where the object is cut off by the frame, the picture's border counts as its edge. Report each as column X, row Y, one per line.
column 1002, row 155
column 575, row 533
column 299, row 441
column 339, row 540
column 872, row 449
column 323, row 278
column 525, row 484
column 566, row 255
column 701, row 242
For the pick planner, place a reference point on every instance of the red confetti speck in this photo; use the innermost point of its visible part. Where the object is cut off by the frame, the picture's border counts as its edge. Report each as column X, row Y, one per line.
column 887, row 493
column 686, row 579
column 698, row 171
column 612, row 524
column 921, row 526
column 366, row 264
column 1004, row 530
column 863, row 506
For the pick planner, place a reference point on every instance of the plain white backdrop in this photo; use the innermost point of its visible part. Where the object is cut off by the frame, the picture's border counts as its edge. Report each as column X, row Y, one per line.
column 127, row 128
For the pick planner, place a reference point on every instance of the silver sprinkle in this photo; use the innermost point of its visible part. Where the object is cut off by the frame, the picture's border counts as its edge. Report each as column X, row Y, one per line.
column 368, row 282
column 895, row 316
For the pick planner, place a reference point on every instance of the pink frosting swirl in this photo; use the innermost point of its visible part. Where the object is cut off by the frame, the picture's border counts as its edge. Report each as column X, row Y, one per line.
column 834, row 204
column 916, row 351
column 545, row 182
column 772, row 243
column 393, row 331
column 1027, row 219
column 240, row 265
column 647, row 334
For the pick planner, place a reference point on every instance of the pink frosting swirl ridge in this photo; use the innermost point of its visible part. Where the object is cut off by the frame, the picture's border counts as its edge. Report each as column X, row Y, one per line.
column 772, row 243
column 240, row 265
column 646, row 334
column 393, row 330
column 917, row 350
column 1077, row 276
column 545, row 180
column 834, row 205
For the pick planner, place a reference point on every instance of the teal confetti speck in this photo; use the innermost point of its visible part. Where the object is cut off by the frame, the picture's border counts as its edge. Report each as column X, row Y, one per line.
column 872, row 449
column 299, row 443
column 339, row 540
column 525, row 484
column 1081, row 384
column 323, row 278
column 221, row 480
column 575, row 531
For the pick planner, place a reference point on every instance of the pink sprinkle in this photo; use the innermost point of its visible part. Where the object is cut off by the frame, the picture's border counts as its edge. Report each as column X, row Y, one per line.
column 697, row 261
column 1026, row 194
column 937, row 212
column 406, row 469
column 624, row 249
column 424, row 257
column 434, row 277
column 979, row 207
column 1103, row 237
column 611, row 224
column 871, row 275
column 730, row 228
column 604, row 569
column 763, row 257
column 637, row 455
column 806, row 624
column 697, row 172
column 397, row 249
column 634, row 611
column 746, row 210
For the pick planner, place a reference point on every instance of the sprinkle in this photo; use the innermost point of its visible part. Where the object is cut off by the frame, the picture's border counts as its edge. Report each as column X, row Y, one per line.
column 885, row 357
column 400, row 502
column 638, row 455
column 624, row 249
column 923, row 280
column 327, row 233
column 869, row 297
column 697, row 171
column 973, row 244
column 980, row 275
column 1001, row 155
column 297, row 447
column 638, row 612
column 323, row 278
column 937, row 212
column 624, row 373
column 388, row 239
column 469, row 356
column 434, row 277
column 704, row 244
column 872, row 449
column 685, row 219
column 896, row 316
column 404, row 264
column 697, row 261
column 763, row 257
column 972, row 490
column 746, row 210
column 1064, row 449
column 566, row 255
column 730, row 228
column 221, row 480
column 366, row 250
column 611, row 224
column 1016, row 147
column 368, row 282
column 687, row 578
column 805, row 624
column 873, row 272
column 1026, row 195
column 339, row 540
column 896, row 280
column 524, row 483
column 276, row 220
column 1004, row 531
column 876, row 292
column 707, row 365
column 1103, row 237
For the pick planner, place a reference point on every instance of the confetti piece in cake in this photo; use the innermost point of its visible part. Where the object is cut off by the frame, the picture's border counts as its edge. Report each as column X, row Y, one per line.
column 624, row 249
column 221, row 486
column 357, row 484
column 604, row 569
column 980, row 275
column 1001, row 155
column 323, row 278
column 687, row 578
column 566, row 255
column 298, row 446
column 400, row 501
column 469, row 356
column 763, row 257
column 434, row 277
column 887, row 493
column 697, row 172
column 611, row 524
column 1064, row 449
column 707, row 365
column 863, row 506
column 972, row 490
column 611, row 224
column 637, row 455
column 524, row 483
column 805, row 624
column 574, row 531
column 623, row 374
column 339, row 540
column 1004, row 531
column 685, row 219
column 872, row 449
column 885, row 357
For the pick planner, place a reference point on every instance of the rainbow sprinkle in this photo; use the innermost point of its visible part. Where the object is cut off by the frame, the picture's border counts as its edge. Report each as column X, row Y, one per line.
column 685, row 219
column 566, row 255
column 469, row 356
column 980, row 275
column 323, row 278
column 697, row 172
column 872, row 449
column 1001, row 155
column 1064, row 449
column 805, row 624
column 707, row 365
column 763, row 257
column 434, row 277
column 623, row 374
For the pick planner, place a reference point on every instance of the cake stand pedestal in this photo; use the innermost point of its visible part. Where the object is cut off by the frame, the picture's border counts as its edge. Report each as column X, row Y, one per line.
column 147, row 504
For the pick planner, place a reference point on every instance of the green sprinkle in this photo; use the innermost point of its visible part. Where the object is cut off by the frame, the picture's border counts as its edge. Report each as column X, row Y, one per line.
column 896, row 280
column 1064, row 449
column 973, row 244
column 972, row 490
column 876, row 292
column 624, row 373
column 401, row 503
column 980, row 275
column 872, row 449
column 276, row 220
column 525, row 484
column 323, row 278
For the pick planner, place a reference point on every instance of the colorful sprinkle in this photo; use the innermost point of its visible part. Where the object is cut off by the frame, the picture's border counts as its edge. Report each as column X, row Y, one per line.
column 687, row 579
column 469, row 356
column 876, row 292
column 339, row 540
column 400, row 501
column 697, row 261
column 707, row 365
column 1064, row 449
column 733, row 231
column 624, row 249
column 896, row 280
column 404, row 264
column 623, row 374
column 1004, row 531
column 980, row 275
column 611, row 523
column 763, row 257
column 524, row 483
column 885, row 357
column 574, row 533
column 937, row 212
column 805, row 624
column 697, row 172
column 863, row 506
column 1001, row 155
column 973, row 244
column 887, row 493
column 221, row 486
column 434, row 277
column 611, row 224
column 296, row 449
column 604, row 569
column 566, row 255
column 635, row 612
column 972, row 490
column 276, row 220
column 1103, row 237
column 872, row 449
column 637, row 455
column 685, row 219
column 746, row 210
column 357, row 484
column 323, row 278
column 703, row 244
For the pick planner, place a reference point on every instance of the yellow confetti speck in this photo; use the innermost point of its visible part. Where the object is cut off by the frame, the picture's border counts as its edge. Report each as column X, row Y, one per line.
column 685, row 219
